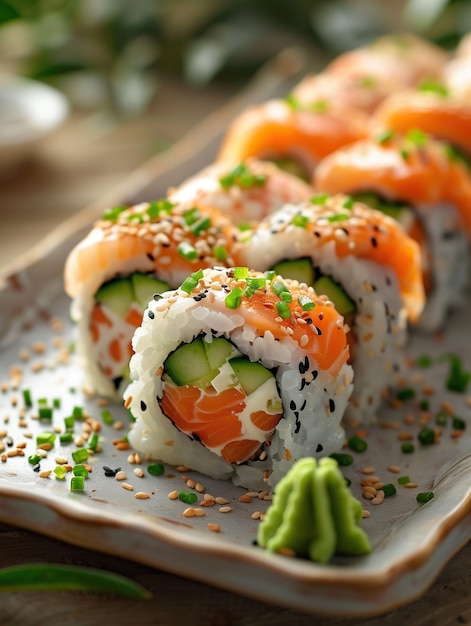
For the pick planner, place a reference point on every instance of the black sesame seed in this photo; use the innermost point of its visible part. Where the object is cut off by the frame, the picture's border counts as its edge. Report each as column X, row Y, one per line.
column 157, row 297
column 318, row 330
column 110, row 473
column 331, row 405
column 150, row 257
column 315, row 374
column 151, row 314
column 303, row 405
column 143, row 406
column 374, row 242
column 319, row 448
column 292, row 405
column 37, row 467
column 9, row 441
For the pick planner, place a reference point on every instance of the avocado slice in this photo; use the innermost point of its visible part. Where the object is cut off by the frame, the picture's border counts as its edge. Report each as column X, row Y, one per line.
column 325, row 285
column 251, row 375
column 301, row 270
column 117, row 295
column 144, row 286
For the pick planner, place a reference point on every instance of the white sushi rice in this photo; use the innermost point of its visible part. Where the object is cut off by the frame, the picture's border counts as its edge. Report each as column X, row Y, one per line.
column 380, row 326
column 313, row 400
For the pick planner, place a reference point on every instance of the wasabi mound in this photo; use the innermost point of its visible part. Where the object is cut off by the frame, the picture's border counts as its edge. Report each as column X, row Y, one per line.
column 314, row 514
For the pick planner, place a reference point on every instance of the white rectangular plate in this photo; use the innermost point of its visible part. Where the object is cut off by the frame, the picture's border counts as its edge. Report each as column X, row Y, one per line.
column 411, row 541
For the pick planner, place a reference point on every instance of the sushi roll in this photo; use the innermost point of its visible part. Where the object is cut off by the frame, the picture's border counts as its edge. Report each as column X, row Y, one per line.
column 238, row 374
column 410, row 178
column 129, row 255
column 361, row 79
column 294, row 137
column 246, row 192
column 369, row 268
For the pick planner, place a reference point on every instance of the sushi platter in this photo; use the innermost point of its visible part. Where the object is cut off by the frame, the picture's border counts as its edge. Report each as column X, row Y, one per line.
column 416, row 444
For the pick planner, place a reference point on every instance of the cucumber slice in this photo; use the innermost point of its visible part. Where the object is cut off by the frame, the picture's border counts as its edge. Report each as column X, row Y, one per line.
column 188, row 365
column 251, row 375
column 373, row 200
column 325, row 285
column 301, row 270
column 144, row 286
column 217, row 351
column 117, row 295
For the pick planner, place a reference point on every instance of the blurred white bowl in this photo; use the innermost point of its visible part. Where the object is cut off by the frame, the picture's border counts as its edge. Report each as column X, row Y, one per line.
column 29, row 112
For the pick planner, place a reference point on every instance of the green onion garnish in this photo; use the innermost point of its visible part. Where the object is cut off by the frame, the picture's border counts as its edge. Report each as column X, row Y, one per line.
column 292, row 101
column 286, row 296
column 77, row 483
column 188, row 497
column 424, row 361
column 278, row 287
column 241, row 176
column 424, row 404
column 200, row 226
column 458, row 423
column 45, row 437
column 234, row 298
column 114, row 213
column 156, row 469
column 159, row 206
column 441, row 418
column 80, row 455
column 407, row 447
column 77, row 412
column 240, row 273
column 426, row 436
column 416, row 136
column 425, row 496
column 220, row 252
column 27, row 398
column 338, row 217
column 270, row 275
column 80, row 470
column 458, row 378
column 357, row 444
column 403, row 480
column 300, row 220
column 69, row 423
column 306, row 303
column 321, row 106
column 389, row 490
column 342, row 459
column 107, row 417
column 433, row 87
column 348, row 203
column 283, row 310
column 405, row 394
column 187, row 251
column 92, row 443
column 34, row 459
column 60, row 472
column 320, row 198
column 191, row 216
column 45, row 413
column 66, row 437
column 386, row 136
column 56, row 403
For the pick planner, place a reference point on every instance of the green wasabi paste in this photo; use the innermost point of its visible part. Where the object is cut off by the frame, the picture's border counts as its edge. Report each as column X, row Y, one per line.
column 314, row 514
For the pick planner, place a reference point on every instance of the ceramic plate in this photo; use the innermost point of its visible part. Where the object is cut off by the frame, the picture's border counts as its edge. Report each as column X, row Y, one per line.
column 135, row 518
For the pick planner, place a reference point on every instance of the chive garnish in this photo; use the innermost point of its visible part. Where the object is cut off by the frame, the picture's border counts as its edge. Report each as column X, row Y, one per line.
column 278, row 287
column 27, row 398
column 405, row 394
column 220, row 252
column 407, row 447
column 159, row 206
column 441, row 418
column 286, row 296
column 92, row 443
column 357, row 444
column 191, row 216
column 234, row 298
column 403, row 480
column 156, row 469
column 77, row 483
column 300, row 220
column 416, row 136
column 292, row 101
column 50, row 577
column 66, row 437
column 306, row 303
column 342, row 459
column 56, row 403
column 113, row 213
column 283, row 310
column 385, row 136
column 348, row 203
column 424, row 404
column 60, row 472
column 424, row 361
column 433, row 86
column 389, row 490
column 200, row 226
column 241, row 273
column 426, row 436
column 320, row 198
column 77, row 412
column 241, row 176
column 458, row 423
column 425, row 496
column 45, row 413
column 338, row 217
column 107, row 417
column 34, row 459
column 80, row 455
column 191, row 281
column 187, row 251
column 80, row 470
column 458, row 378
column 45, row 438
column 188, row 497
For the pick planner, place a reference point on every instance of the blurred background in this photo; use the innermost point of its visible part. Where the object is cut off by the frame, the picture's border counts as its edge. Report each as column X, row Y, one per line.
column 138, row 75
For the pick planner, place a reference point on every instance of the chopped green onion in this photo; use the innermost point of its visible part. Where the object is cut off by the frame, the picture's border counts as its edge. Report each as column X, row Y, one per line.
column 80, row 470
column 241, row 176
column 270, row 275
column 200, row 226
column 34, row 459
column 187, row 251
column 292, row 101
column 45, row 437
column 283, row 310
column 425, row 496
column 241, row 273
column 424, row 361
column 60, row 472
column 114, row 213
column 405, row 394
column 69, row 422
column 321, row 106
column 50, row 577
column 348, row 203
column 27, row 398
column 107, row 417
column 403, row 480
column 434, row 87
column 66, row 437
column 342, row 459
column 159, row 206
column 426, row 436
column 404, row 154
column 338, row 217
column 92, row 443
column 278, row 287
column 389, row 490
column 189, row 284
column 191, row 216
column 458, row 378
column 357, row 444
column 286, row 296
column 156, row 469
column 80, row 455
column 56, row 403
column 220, row 252
column 407, row 447
column 188, row 497
column 458, row 423
column 42, row 401
column 424, row 404
column 441, row 418
column 300, row 220
column 386, row 136
column 77, row 483
column 416, row 136
column 234, row 298
column 45, row 413
column 320, row 198
column 306, row 303
column 77, row 412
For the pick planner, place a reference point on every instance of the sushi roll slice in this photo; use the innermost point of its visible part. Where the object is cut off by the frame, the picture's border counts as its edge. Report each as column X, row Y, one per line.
column 294, row 137
column 246, row 192
column 129, row 255
column 238, row 374
column 362, row 78
column 369, row 268
column 410, row 178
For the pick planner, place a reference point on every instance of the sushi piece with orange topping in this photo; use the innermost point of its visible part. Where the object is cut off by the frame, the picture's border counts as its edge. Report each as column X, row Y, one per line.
column 411, row 178
column 246, row 192
column 293, row 136
column 129, row 255
column 238, row 374
column 369, row 268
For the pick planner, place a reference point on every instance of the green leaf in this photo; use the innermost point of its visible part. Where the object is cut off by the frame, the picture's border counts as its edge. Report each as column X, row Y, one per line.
column 49, row 577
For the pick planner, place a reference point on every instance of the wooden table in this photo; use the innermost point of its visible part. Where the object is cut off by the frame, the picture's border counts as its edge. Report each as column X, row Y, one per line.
column 80, row 164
